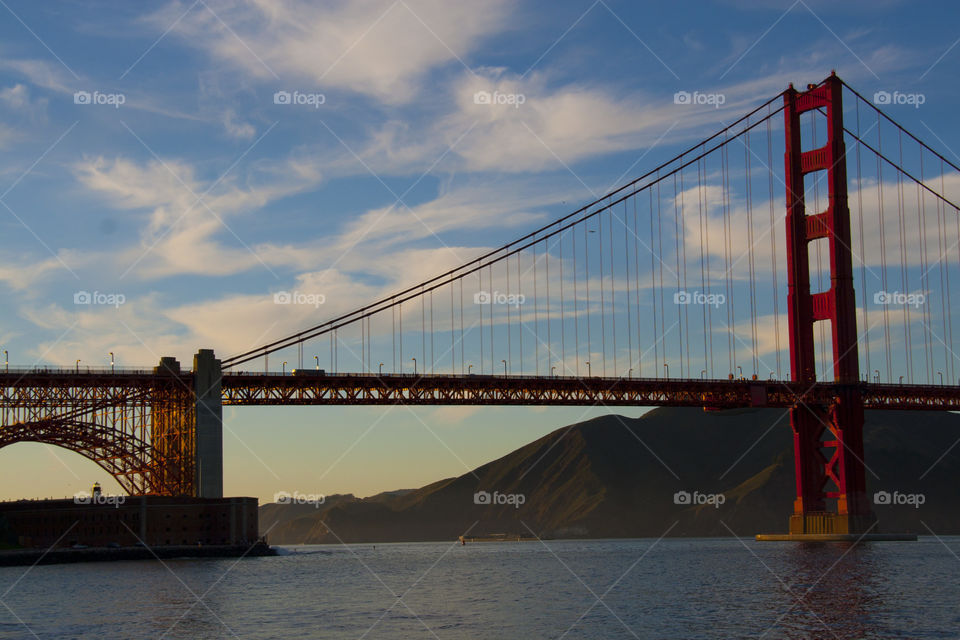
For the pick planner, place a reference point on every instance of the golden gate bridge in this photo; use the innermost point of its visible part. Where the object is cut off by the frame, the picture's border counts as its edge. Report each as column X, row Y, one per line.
column 719, row 279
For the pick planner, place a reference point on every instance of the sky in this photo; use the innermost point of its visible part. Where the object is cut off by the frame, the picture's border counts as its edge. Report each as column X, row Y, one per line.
column 183, row 162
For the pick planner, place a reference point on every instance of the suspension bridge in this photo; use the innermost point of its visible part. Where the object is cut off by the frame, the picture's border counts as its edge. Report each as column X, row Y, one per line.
column 721, row 278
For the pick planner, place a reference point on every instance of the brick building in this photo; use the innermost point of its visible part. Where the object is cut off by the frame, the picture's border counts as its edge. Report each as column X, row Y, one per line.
column 129, row 520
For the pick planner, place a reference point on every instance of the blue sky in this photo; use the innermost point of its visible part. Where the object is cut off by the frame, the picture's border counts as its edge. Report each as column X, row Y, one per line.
column 184, row 187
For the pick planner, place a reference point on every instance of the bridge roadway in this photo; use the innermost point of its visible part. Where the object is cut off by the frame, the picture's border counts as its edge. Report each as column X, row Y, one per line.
column 24, row 394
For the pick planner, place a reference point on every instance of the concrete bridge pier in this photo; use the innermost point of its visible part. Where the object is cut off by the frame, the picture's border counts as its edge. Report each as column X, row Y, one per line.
column 208, row 452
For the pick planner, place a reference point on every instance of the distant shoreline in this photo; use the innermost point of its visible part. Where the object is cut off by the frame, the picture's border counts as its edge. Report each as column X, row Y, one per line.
column 26, row 557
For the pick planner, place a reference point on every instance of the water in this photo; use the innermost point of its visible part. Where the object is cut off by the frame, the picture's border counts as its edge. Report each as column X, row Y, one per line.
column 700, row 588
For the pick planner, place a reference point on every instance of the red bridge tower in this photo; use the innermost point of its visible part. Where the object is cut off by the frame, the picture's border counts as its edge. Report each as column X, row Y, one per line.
column 827, row 440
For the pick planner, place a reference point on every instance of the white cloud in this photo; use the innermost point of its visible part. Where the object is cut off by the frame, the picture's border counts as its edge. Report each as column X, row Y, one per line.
column 375, row 47
column 184, row 224
column 236, row 128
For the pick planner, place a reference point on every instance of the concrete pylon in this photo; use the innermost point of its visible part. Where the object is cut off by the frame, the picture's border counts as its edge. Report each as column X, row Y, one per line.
column 208, row 482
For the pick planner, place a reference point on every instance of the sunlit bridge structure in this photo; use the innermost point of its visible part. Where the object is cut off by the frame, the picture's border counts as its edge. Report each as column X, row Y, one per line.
column 803, row 257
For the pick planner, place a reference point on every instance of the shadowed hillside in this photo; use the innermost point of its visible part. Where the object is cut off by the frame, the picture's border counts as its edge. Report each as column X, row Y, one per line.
column 617, row 477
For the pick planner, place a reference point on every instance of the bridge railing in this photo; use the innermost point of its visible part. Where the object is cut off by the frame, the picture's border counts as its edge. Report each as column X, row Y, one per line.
column 81, row 370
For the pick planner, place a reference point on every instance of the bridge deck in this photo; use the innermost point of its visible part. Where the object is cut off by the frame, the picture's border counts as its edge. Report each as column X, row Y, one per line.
column 37, row 388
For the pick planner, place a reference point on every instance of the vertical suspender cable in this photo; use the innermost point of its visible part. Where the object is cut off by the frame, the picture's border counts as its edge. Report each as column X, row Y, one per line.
column 586, row 280
column 536, row 312
column 506, row 270
column 636, row 268
column 865, row 344
column 924, row 277
column 680, row 285
column 883, row 253
column 520, row 301
column 613, row 291
column 903, row 263
column 546, row 250
column 563, row 310
column 603, row 305
column 576, row 303
column 702, row 239
column 653, row 276
column 663, row 324
column 626, row 271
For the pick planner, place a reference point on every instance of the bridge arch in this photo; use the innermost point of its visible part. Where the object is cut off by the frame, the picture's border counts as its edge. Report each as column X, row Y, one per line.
column 128, row 459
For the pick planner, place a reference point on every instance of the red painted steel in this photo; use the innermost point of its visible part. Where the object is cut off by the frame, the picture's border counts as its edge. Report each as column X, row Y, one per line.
column 828, row 438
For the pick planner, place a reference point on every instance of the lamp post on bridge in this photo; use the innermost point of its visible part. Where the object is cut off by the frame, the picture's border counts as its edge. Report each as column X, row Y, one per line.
column 940, row 373
column 877, row 371
column 553, row 371
column 111, row 362
column 317, row 360
column 588, row 369
column 630, row 373
column 703, row 374
column 6, row 361
column 283, row 368
column 667, row 368
column 504, row 367
column 381, row 368
column 740, row 369
column 901, row 380
column 414, row 366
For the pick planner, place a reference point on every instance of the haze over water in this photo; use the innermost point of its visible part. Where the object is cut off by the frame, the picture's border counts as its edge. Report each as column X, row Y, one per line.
column 674, row 588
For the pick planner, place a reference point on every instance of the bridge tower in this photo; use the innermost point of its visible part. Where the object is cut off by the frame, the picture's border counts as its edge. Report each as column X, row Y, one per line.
column 827, row 440
column 187, row 428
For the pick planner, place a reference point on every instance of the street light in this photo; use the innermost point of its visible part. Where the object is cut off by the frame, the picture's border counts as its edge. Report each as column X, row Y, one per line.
column 877, row 371
column 940, row 373
column 317, row 358
column 414, row 366
column 504, row 367
column 78, row 366
column 771, row 375
column 703, row 374
column 901, row 379
column 553, row 371
column 667, row 367
column 111, row 362
column 381, row 368
column 6, row 360
column 283, row 369
column 740, row 369
column 630, row 373
column 469, row 367
column 588, row 369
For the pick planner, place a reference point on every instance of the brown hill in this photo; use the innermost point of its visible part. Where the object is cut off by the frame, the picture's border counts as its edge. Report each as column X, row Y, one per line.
column 617, row 477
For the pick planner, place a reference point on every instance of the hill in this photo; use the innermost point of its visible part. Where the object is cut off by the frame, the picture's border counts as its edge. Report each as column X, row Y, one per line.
column 617, row 477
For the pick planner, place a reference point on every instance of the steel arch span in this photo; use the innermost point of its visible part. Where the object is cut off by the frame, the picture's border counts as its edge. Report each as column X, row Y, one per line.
column 126, row 458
